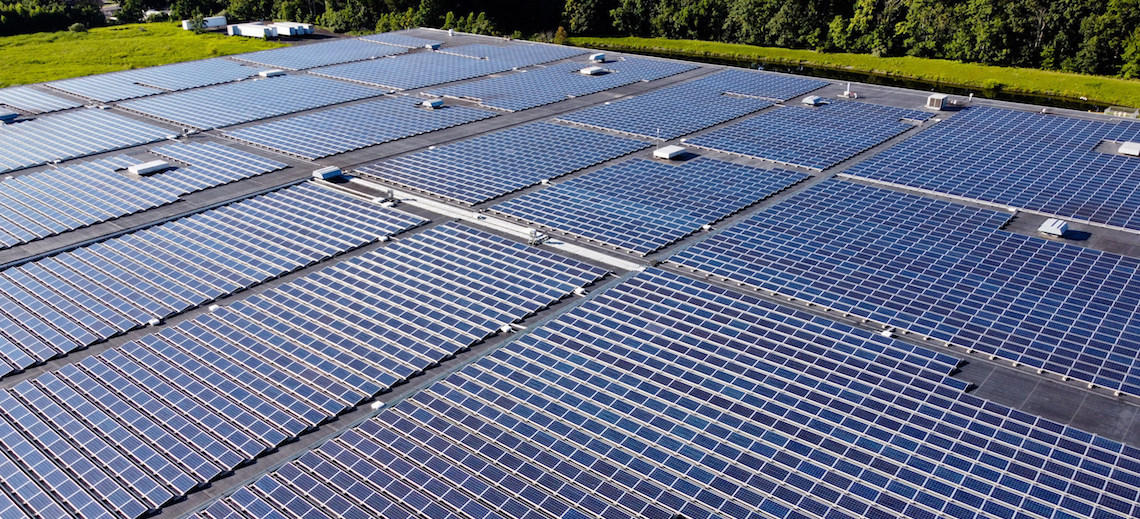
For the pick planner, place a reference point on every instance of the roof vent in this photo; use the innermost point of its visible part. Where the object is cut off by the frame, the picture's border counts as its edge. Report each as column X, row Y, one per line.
column 592, row 71
column 271, row 73
column 598, row 58
column 148, row 168
column 1053, row 227
column 432, row 104
column 671, row 152
column 327, row 173
column 1130, row 148
column 814, row 101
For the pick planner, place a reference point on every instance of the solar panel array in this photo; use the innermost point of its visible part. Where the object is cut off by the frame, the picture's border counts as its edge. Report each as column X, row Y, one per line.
column 816, row 138
column 128, row 84
column 667, row 397
column 515, row 54
column 209, row 165
column 52, row 306
column 942, row 270
column 641, row 205
column 236, row 103
column 557, row 82
column 523, row 156
column 337, row 130
column 312, row 55
column 685, row 108
column 400, row 40
column 71, row 135
column 1040, row 162
column 411, row 71
column 31, row 100
column 149, row 421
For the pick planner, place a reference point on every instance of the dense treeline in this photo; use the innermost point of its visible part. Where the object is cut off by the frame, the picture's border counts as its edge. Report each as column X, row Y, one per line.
column 35, row 16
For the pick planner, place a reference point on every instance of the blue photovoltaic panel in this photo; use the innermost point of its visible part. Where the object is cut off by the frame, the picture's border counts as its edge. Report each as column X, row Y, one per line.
column 236, row 103
column 400, row 40
column 666, row 397
column 158, row 416
column 209, row 165
column 300, row 57
column 1046, row 163
column 320, row 134
column 641, row 205
column 128, row 84
column 28, row 99
column 515, row 54
column 942, row 270
column 524, row 156
column 681, row 109
column 411, row 71
column 101, row 290
column 816, row 138
column 647, row 69
column 71, row 135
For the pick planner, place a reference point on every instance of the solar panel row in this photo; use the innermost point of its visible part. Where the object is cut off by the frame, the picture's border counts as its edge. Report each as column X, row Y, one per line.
column 136, row 426
column 210, row 165
column 816, row 138
column 942, row 270
column 666, row 396
column 71, row 135
column 117, row 86
column 641, row 205
column 400, row 40
column 299, row 57
column 1045, row 163
column 31, row 100
column 524, row 156
column 411, row 71
column 337, row 130
column 515, row 54
column 52, row 306
column 236, row 103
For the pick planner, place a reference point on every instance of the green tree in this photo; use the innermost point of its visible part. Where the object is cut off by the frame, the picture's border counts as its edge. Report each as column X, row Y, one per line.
column 633, row 17
column 449, row 20
column 588, row 16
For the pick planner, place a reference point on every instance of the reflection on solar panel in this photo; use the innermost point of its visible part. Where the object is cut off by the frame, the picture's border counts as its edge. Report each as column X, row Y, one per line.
column 641, row 205
column 159, row 416
column 688, row 107
column 516, row 54
column 128, row 84
column 523, row 156
column 237, row 103
column 71, row 135
column 942, row 270
column 320, row 134
column 28, row 99
column 666, row 396
column 72, row 300
column 1040, row 162
column 411, row 71
column 816, row 138
column 300, row 57
column 557, row 82
column 400, row 40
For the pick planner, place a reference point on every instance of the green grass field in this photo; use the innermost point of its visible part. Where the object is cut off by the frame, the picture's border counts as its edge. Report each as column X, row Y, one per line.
column 32, row 58
column 1031, row 81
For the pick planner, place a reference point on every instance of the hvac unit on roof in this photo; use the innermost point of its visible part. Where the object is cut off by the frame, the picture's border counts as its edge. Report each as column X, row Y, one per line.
column 1130, row 148
column 148, row 168
column 1053, row 227
column 592, row 71
column 669, row 152
column 327, row 173
column 271, row 73
column 432, row 104
column 598, row 58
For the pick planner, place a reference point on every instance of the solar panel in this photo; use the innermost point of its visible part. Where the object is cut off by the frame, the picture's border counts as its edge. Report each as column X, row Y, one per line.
column 400, row 40
column 71, row 135
column 666, row 396
column 641, row 205
column 411, row 71
column 236, row 103
column 117, row 86
column 210, row 165
column 320, row 134
column 311, row 55
column 161, row 415
column 1044, row 163
column 31, row 100
column 514, row 54
column 816, row 138
column 942, row 270
column 523, row 156
column 647, row 69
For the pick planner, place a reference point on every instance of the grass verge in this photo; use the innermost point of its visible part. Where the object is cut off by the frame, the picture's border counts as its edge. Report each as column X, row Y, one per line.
column 47, row 56
column 1101, row 89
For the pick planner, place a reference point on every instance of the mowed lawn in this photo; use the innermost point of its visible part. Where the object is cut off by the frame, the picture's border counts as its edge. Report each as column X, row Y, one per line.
column 47, row 56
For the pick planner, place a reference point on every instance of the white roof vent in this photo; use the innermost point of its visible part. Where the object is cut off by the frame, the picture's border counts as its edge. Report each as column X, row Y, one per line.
column 598, row 58
column 669, row 152
column 271, row 73
column 148, row 168
column 327, row 173
column 1130, row 148
column 1053, row 227
column 814, row 101
column 592, row 71
column 432, row 104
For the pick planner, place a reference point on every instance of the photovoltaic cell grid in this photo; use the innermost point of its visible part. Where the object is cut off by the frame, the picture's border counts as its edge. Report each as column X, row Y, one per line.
column 236, row 103
column 337, row 130
column 681, row 109
column 301, row 57
column 641, row 206
column 816, row 138
column 557, row 82
column 128, row 84
column 666, row 396
column 71, row 135
column 52, row 306
column 523, row 156
column 1044, row 163
column 149, row 421
column 209, row 165
column 400, row 40
column 515, row 54
column 411, row 71
column 942, row 270
column 30, row 100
